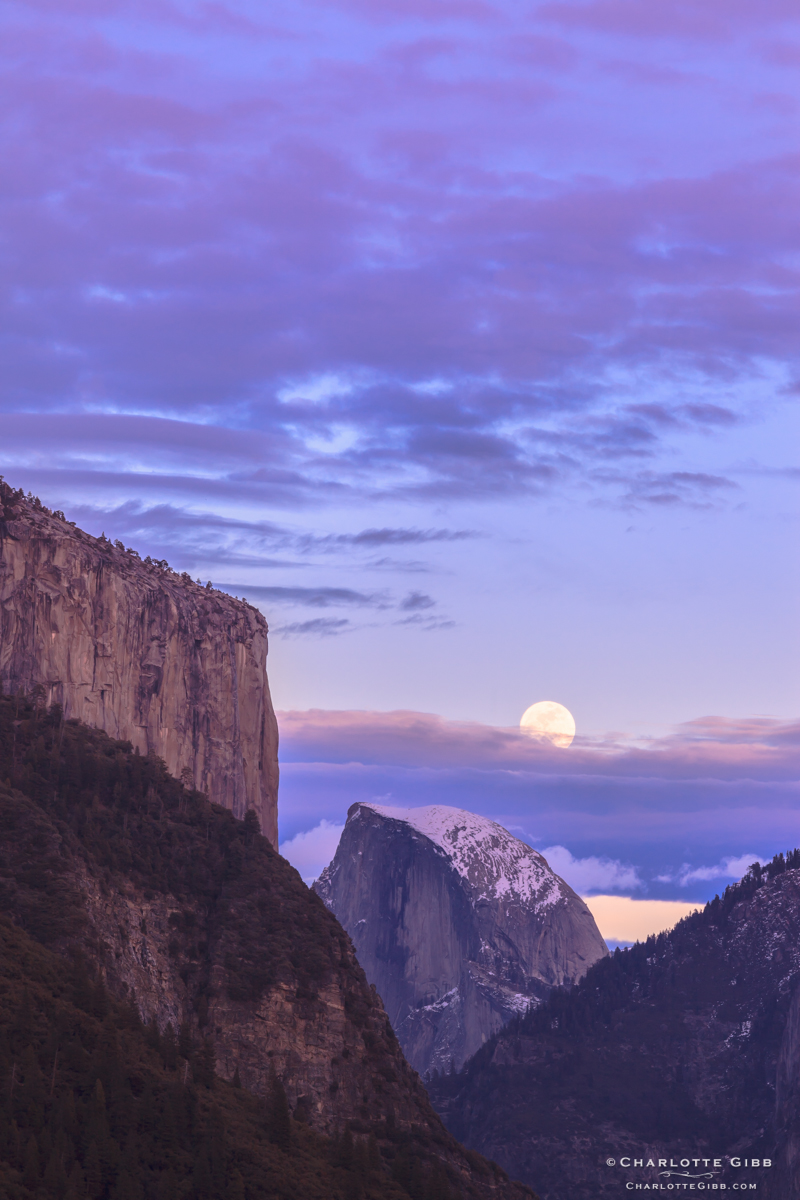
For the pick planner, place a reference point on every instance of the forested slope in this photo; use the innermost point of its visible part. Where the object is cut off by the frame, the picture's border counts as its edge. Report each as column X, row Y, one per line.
column 668, row 1049
column 265, row 1067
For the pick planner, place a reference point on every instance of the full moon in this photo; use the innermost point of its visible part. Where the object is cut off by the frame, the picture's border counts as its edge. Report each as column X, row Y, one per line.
column 549, row 722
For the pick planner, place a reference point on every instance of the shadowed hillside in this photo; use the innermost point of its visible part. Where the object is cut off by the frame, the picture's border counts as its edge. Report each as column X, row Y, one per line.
column 125, row 897
column 669, row 1049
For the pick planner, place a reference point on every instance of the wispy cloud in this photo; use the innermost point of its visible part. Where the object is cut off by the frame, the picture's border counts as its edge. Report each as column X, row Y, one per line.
column 466, row 290
column 732, row 867
column 316, row 627
column 416, row 602
column 310, row 852
column 320, row 597
column 592, row 875
column 373, row 538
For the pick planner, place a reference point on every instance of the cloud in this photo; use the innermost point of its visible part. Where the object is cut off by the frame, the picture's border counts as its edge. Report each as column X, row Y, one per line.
column 732, row 867
column 592, row 875
column 465, row 291
column 187, row 536
column 399, row 537
column 710, row 414
column 615, row 815
column 320, row 597
column 310, row 852
column 428, row 624
column 695, row 488
column 317, row 627
column 416, row 601
column 708, row 748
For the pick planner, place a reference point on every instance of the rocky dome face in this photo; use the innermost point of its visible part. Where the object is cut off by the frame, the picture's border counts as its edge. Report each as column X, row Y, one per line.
column 459, row 924
column 493, row 863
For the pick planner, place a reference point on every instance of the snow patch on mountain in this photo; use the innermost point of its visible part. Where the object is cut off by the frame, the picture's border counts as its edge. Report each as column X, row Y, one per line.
column 495, row 864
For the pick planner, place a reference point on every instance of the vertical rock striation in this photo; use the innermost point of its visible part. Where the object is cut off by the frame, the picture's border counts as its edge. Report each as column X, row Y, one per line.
column 459, row 925
column 140, row 652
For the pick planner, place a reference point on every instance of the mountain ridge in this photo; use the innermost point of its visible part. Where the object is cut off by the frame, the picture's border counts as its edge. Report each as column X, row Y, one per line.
column 672, row 1048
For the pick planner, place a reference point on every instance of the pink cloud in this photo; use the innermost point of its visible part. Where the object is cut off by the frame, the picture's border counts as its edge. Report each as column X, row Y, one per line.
column 712, row 747
column 657, row 812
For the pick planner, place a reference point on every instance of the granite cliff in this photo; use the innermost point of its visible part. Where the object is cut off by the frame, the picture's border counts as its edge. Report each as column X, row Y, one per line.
column 189, row 916
column 686, row 1047
column 147, row 655
column 459, row 925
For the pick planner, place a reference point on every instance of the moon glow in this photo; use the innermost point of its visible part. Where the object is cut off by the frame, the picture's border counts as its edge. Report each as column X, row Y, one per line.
column 549, row 721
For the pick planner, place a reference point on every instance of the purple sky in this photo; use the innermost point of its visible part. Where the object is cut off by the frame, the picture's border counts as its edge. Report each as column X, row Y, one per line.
column 460, row 336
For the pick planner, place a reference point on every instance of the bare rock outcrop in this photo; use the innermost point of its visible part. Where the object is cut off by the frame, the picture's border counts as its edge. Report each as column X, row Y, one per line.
column 150, row 657
column 459, row 925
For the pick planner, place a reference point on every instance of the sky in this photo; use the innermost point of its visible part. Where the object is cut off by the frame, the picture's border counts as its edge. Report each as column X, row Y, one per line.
column 461, row 337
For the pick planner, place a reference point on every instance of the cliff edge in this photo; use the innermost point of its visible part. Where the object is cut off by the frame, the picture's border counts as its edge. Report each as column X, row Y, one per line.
column 132, row 648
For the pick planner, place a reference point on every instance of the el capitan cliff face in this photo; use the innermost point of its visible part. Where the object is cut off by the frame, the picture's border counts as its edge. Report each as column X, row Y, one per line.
column 459, row 925
column 140, row 652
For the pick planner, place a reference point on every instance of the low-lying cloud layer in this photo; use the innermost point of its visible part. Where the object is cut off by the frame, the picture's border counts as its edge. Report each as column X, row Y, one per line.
column 643, row 820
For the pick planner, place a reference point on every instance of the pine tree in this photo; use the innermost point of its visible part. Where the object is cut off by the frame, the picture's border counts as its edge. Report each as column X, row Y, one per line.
column 169, row 1048
column 69, row 1115
column 416, row 1185
column 374, row 1154
column 55, row 1177
column 76, row 1185
column 202, row 1011
column 206, row 1064
column 346, row 1150
column 235, row 1187
column 279, row 1120
column 30, row 1170
column 100, row 1000
column 168, row 1185
column 127, row 1188
column 154, row 1035
column 201, row 1175
column 401, row 1168
column 30, row 1097
column 185, row 1042
column 438, row 1187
